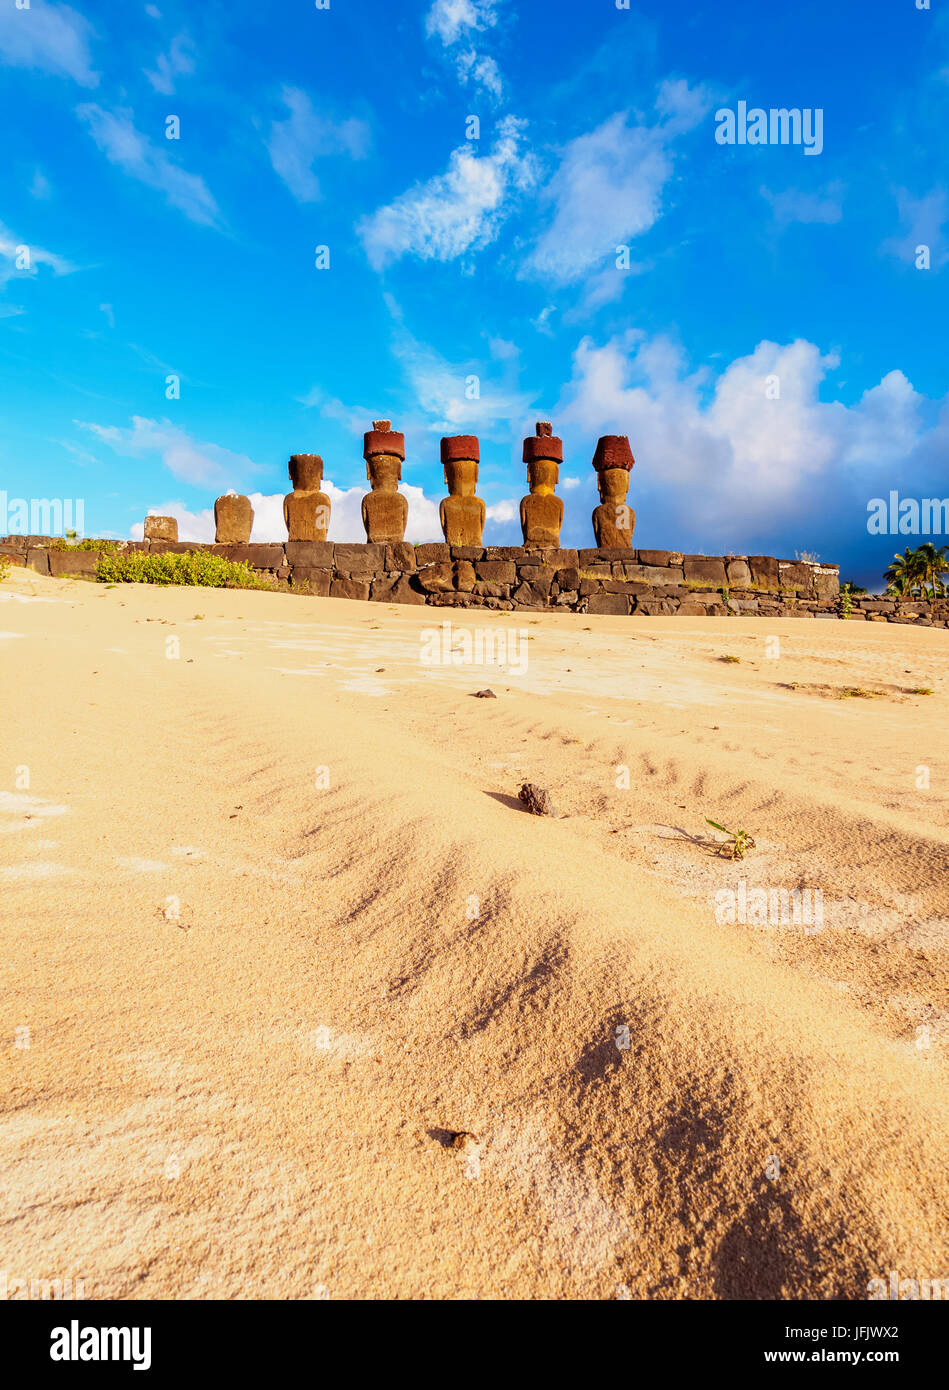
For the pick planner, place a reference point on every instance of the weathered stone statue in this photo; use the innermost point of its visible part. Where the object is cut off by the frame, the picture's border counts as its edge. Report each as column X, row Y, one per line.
column 306, row 510
column 161, row 528
column 461, row 513
column 233, row 519
column 613, row 520
column 542, row 511
column 385, row 510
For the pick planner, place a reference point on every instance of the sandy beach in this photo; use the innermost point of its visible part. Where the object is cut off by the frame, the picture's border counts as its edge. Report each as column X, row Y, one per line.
column 276, row 928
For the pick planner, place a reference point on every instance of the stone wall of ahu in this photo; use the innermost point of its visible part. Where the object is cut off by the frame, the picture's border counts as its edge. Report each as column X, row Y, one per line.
column 616, row 580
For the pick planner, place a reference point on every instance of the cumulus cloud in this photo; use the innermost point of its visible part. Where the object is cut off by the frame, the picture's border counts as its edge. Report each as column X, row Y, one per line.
column 756, row 441
column 456, row 212
column 193, row 462
column 50, row 38
column 177, row 62
column 306, row 135
column 115, row 134
column 345, row 516
column 608, row 188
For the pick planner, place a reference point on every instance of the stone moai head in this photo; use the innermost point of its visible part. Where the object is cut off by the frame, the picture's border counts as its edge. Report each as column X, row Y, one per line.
column 161, row 528
column 384, row 452
column 543, row 454
column 233, row 519
column 542, row 509
column 306, row 472
column 613, row 520
column 460, row 455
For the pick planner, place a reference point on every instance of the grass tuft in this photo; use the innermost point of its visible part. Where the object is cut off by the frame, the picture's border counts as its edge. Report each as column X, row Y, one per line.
column 196, row 567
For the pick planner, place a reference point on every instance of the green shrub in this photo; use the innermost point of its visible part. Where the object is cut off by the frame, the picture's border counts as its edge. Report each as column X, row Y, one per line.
column 193, row 567
column 5, row 567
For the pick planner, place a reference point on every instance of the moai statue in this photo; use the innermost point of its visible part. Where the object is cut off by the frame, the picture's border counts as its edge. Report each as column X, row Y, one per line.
column 461, row 513
column 542, row 510
column 385, row 510
column 161, row 528
column 233, row 519
column 306, row 510
column 613, row 520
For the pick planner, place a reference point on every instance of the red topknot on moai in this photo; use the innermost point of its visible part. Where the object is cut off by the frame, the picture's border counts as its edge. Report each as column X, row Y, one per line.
column 613, row 520
column 385, row 510
column 461, row 513
column 542, row 510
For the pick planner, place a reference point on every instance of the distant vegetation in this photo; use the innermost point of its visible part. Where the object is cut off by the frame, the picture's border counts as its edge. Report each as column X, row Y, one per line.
column 4, row 568
column 193, row 567
column 918, row 572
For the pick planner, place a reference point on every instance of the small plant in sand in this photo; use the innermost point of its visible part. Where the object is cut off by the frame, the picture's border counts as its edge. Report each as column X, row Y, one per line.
column 919, row 690
column 737, row 844
column 193, row 567
column 5, row 568
column 735, row 660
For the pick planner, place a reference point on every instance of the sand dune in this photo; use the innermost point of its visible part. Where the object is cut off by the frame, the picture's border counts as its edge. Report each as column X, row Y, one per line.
column 278, row 928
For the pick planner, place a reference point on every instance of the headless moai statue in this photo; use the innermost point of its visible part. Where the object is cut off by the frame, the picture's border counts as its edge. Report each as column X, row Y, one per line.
column 233, row 519
column 542, row 510
column 306, row 510
column 461, row 513
column 161, row 528
column 613, row 520
column 385, row 510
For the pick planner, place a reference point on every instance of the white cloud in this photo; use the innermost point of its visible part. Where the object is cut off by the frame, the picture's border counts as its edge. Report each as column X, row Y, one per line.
column 52, row 38
column 40, row 187
column 306, row 135
column 793, row 205
column 345, row 516
column 459, row 211
column 109, row 314
column 10, row 248
column 922, row 220
column 115, row 134
column 508, row 509
column 177, row 62
column 445, row 390
column 193, row 462
column 754, row 460
column 455, row 22
column 608, row 189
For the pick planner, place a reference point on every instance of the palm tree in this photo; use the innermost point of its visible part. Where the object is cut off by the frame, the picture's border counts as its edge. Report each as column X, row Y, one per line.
column 932, row 562
column 905, row 573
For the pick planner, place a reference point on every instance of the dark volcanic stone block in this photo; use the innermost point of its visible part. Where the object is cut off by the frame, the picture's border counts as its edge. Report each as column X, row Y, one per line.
column 400, row 556
column 316, row 581
column 349, row 588
column 702, row 570
column 608, row 603
column 764, row 571
column 72, row 562
column 431, row 553
column 312, row 554
column 359, row 559
column 396, row 589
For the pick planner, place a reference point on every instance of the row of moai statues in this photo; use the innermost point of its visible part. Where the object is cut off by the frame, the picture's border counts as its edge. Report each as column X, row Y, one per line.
column 385, row 510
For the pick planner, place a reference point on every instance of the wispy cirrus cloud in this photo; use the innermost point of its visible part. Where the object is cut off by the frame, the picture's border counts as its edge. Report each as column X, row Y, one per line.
column 795, row 205
column 49, row 38
column 306, row 135
column 116, row 136
column 607, row 189
column 13, row 249
column 179, row 61
column 456, row 212
column 922, row 221
column 199, row 464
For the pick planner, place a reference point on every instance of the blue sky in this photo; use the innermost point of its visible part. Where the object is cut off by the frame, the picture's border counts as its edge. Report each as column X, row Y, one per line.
column 495, row 258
